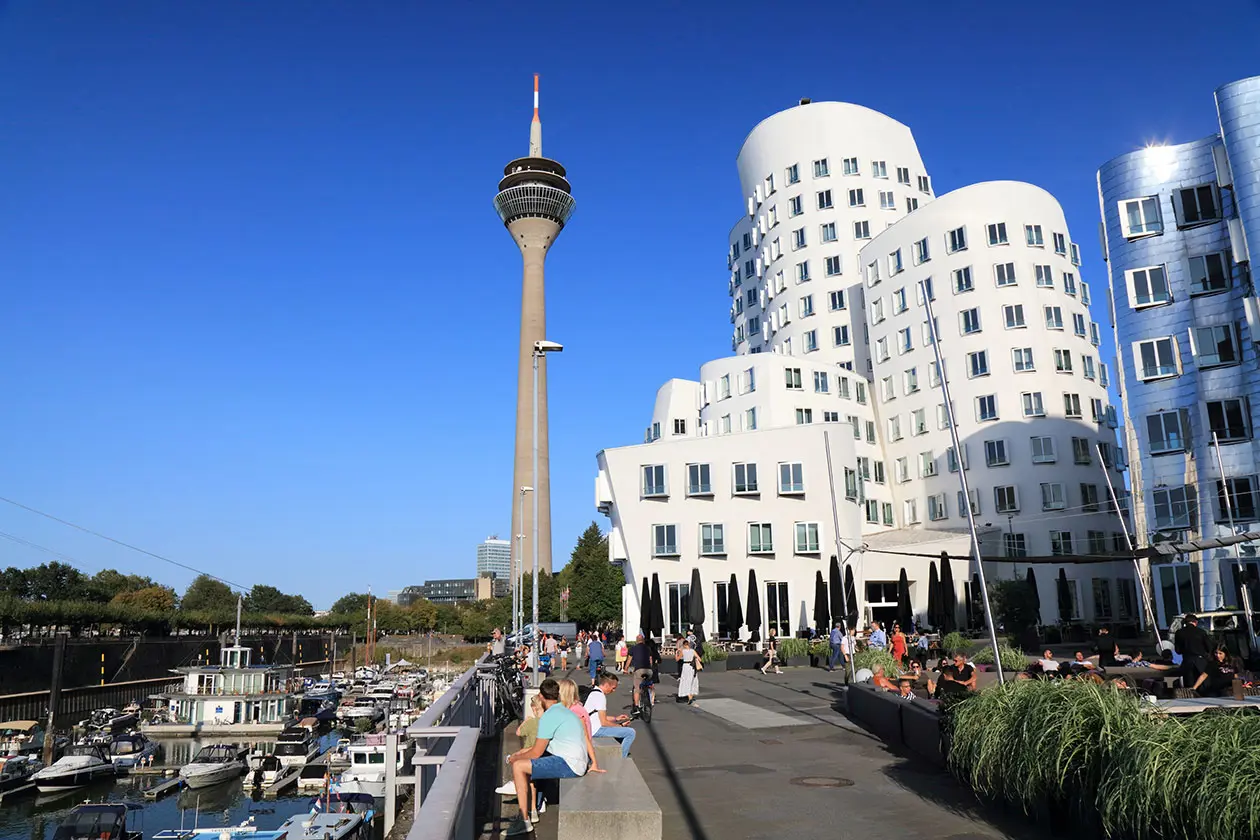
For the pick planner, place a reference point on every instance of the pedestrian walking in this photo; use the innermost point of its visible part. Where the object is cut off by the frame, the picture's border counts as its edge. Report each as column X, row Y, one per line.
column 835, row 640
column 689, row 666
column 595, row 651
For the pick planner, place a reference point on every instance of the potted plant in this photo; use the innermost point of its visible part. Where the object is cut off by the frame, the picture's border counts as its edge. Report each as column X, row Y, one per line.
column 819, row 652
column 794, row 652
column 714, row 659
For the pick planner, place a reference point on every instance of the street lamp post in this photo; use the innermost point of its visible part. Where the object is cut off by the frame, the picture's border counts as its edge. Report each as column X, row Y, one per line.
column 518, row 569
column 540, row 347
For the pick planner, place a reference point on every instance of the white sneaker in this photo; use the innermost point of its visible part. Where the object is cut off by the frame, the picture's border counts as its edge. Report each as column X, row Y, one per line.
column 518, row 827
column 542, row 807
column 508, row 788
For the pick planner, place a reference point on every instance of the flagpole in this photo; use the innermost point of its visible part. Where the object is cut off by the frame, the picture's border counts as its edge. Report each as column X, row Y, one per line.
column 962, row 474
column 1143, row 580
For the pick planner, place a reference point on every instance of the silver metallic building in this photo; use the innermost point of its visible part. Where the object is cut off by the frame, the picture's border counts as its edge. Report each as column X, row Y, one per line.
column 1176, row 225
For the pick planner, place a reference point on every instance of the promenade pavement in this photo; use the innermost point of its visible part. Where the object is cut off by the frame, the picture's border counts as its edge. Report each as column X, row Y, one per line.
column 773, row 756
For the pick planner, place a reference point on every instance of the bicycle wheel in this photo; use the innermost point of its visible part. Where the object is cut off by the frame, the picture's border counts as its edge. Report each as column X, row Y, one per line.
column 645, row 704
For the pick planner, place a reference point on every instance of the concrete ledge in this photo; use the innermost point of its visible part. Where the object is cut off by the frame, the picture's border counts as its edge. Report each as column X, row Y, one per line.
column 878, row 711
column 921, row 730
column 607, row 750
column 616, row 805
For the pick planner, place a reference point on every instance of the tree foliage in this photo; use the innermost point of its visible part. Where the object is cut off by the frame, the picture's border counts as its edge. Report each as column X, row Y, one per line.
column 209, row 595
column 267, row 599
column 159, row 599
column 594, row 583
column 354, row 602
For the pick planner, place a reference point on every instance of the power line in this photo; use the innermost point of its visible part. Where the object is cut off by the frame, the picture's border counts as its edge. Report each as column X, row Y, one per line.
column 108, row 538
column 38, row 547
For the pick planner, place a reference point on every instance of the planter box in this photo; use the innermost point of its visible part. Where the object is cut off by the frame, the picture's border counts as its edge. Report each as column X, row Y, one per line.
column 744, row 661
column 797, row 661
column 669, row 666
column 716, row 666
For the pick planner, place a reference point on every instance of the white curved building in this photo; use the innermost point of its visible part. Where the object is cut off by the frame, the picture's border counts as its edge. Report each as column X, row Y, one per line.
column 839, row 227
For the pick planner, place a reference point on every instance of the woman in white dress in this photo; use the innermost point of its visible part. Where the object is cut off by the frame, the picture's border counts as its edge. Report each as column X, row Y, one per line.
column 689, row 666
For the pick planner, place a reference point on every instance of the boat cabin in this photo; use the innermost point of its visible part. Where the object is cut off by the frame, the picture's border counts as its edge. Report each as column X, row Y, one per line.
column 107, row 821
column 21, row 736
column 235, row 691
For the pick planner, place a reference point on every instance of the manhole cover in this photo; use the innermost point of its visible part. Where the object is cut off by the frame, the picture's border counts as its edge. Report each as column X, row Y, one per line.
column 822, row 781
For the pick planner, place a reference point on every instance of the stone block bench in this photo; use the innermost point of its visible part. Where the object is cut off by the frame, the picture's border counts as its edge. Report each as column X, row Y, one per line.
column 616, row 805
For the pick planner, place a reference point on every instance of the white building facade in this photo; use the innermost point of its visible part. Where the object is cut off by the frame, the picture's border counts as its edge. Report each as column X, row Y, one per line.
column 494, row 556
column 839, row 226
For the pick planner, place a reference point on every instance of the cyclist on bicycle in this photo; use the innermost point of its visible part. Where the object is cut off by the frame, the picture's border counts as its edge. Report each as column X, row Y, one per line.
column 641, row 665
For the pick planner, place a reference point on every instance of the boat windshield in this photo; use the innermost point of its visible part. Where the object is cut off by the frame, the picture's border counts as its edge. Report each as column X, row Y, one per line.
column 85, row 749
column 93, row 823
column 291, row 748
column 126, row 746
column 216, row 754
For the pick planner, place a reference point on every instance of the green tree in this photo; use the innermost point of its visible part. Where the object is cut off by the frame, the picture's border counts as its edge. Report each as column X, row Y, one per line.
column 355, row 602
column 150, row 599
column 56, row 582
column 205, row 594
column 548, row 597
column 1014, row 604
column 107, row 583
column 267, row 599
column 14, row 583
column 594, row 583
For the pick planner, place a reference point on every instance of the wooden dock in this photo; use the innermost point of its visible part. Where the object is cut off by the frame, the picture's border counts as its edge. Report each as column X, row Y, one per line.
column 160, row 790
column 285, row 780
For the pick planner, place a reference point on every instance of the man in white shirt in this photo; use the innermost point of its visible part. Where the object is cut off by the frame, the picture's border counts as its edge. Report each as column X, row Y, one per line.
column 1047, row 662
column 603, row 724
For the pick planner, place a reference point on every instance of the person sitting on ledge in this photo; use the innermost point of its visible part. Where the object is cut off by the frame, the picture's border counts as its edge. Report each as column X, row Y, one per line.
column 880, row 680
column 1047, row 662
column 905, row 686
column 964, row 672
column 948, row 687
column 1218, row 679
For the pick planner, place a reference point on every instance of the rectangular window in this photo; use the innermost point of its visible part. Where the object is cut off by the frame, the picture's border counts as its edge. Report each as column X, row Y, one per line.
column 887, row 201
column 895, row 265
column 1085, row 293
column 937, row 508
column 861, row 230
column 1006, row 499
column 1148, row 286
column 1054, row 318
column 1060, row 243
column 1061, row 546
column 881, row 349
column 1093, row 333
column 1042, row 450
column 1072, row 405
column 1078, row 324
column 1157, row 358
column 956, row 240
column 806, row 306
column 1080, row 451
column 872, row 511
column 798, row 239
column 1069, row 283
column 1216, row 346
column 1196, row 205
column 903, row 175
column 821, row 169
column 1013, row 314
column 1088, row 368
column 1175, row 507
column 1141, row 217
column 793, row 174
column 1045, row 277
column 910, row 509
column 724, row 424
column 831, row 266
column 680, row 427
column 850, row 166
column 654, row 480
column 857, row 197
column 802, row 271
column 820, row 382
column 712, row 538
column 840, row 336
column 986, row 407
column 951, row 458
column 1033, row 405
column 1062, row 361
column 795, row 206
column 827, row 232
column 1032, row 236
column 978, row 364
column 835, row 301
column 1241, row 502
column 1014, row 545
column 1089, row 499
column 760, row 538
column 1209, row 274
column 804, row 416
column 750, row 419
column 745, row 478
column 962, row 280
column 894, row 428
column 831, row 417
column 824, row 200
column 1230, row 419
column 927, row 465
column 842, row 383
column 791, row 479
column 921, row 252
column 905, row 340
column 997, row 234
column 1022, row 359
column 918, row 422
column 879, row 169
column 886, row 509
column 698, row 483
column 1053, row 496
column 910, row 380
column 806, row 537
column 792, row 378
column 1005, row 273
column 969, row 320
column 664, row 540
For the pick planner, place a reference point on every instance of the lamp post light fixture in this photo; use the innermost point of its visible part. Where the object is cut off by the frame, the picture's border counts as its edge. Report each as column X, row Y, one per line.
column 540, row 347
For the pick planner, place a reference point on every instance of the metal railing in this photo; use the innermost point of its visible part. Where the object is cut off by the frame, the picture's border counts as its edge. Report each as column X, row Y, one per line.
column 446, row 738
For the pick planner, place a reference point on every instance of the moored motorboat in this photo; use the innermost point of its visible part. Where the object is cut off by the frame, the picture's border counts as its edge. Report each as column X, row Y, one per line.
column 104, row 821
column 81, row 765
column 325, row 826
column 298, row 744
column 109, row 720
column 132, row 750
column 366, row 773
column 17, row 774
column 21, row 737
column 264, row 769
column 212, row 765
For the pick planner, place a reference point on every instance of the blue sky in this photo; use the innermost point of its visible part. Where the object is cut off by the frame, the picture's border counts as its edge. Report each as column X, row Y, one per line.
column 256, row 310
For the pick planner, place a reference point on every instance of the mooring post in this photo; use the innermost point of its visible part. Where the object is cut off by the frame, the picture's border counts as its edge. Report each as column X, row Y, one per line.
column 54, row 695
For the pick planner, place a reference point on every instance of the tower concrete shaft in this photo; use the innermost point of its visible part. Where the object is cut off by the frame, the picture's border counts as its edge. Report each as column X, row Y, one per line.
column 534, row 202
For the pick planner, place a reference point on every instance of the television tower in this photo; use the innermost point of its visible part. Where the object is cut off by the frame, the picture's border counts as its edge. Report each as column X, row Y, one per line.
column 534, row 202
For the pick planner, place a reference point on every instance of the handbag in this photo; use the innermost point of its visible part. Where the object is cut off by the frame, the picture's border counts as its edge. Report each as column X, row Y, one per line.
column 699, row 665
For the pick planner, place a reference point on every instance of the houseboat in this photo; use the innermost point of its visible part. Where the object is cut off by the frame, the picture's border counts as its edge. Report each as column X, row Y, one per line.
column 235, row 697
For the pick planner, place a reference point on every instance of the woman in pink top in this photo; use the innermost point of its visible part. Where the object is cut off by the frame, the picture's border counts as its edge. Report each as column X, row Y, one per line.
column 571, row 700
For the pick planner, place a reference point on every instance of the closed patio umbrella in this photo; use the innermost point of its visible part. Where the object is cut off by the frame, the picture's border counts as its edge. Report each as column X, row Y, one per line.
column 934, row 597
column 1036, row 596
column 695, row 606
column 658, row 611
column 850, row 595
column 835, row 591
column 1065, row 596
column 821, row 616
column 734, row 609
column 904, row 616
column 645, row 608
column 754, row 608
column 977, row 601
column 949, row 597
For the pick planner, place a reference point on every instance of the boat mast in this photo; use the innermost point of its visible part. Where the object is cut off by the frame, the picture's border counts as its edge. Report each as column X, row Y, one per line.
column 239, row 601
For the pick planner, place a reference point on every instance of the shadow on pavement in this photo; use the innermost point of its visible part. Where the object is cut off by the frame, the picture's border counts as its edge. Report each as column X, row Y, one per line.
column 675, row 782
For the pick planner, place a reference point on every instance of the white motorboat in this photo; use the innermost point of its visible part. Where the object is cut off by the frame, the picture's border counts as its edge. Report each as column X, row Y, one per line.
column 366, row 773
column 212, row 765
column 17, row 774
column 81, row 765
column 361, row 707
column 298, row 744
column 132, row 750
column 109, row 720
column 264, row 770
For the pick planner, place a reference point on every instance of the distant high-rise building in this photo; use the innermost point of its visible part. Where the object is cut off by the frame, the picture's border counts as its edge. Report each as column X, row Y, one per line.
column 494, row 556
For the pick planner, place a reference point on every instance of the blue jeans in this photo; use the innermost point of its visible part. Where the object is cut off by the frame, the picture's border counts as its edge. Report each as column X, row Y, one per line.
column 596, row 664
column 834, row 658
column 550, row 767
column 624, row 734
